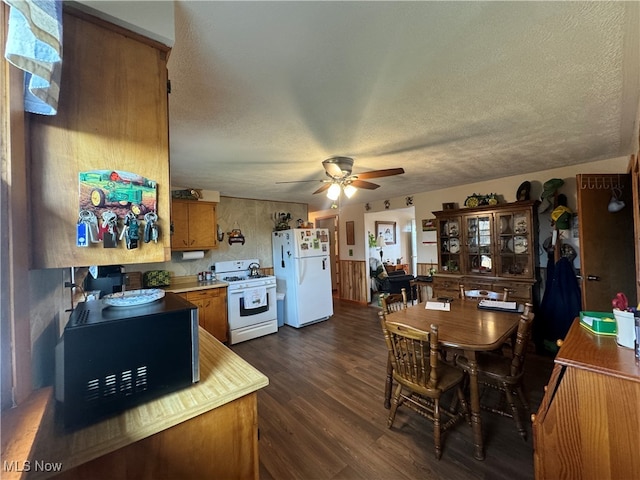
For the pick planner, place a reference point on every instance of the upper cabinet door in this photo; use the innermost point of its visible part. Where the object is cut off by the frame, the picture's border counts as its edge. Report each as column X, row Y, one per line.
column 479, row 243
column 194, row 225
column 112, row 115
column 495, row 242
column 516, row 245
column 450, row 244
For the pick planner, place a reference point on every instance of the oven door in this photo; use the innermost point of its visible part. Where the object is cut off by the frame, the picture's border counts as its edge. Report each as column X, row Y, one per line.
column 240, row 316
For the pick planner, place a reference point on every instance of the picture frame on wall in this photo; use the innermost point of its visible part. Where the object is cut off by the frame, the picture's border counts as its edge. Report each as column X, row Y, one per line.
column 388, row 231
column 429, row 225
column 351, row 238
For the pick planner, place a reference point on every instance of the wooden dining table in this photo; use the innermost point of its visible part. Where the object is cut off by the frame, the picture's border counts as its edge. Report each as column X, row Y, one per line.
column 468, row 328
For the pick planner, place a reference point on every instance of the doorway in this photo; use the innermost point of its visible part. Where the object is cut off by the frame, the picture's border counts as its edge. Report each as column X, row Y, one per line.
column 403, row 249
column 331, row 224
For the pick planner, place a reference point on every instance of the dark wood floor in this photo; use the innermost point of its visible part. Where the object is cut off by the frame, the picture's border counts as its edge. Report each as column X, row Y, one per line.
column 322, row 415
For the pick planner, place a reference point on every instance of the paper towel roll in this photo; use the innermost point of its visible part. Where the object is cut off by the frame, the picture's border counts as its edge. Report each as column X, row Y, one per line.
column 193, row 255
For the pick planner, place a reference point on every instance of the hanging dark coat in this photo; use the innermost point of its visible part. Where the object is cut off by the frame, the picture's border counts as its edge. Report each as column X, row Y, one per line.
column 561, row 303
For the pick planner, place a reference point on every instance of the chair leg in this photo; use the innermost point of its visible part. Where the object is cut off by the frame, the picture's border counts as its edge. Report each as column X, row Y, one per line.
column 388, row 385
column 436, row 428
column 395, row 403
column 515, row 412
column 463, row 404
column 522, row 395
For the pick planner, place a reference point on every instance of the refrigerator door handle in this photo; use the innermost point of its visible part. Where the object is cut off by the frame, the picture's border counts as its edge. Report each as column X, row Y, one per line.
column 324, row 263
column 300, row 263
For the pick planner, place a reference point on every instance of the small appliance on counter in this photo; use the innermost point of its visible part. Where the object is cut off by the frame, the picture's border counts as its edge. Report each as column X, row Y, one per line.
column 113, row 358
column 110, row 279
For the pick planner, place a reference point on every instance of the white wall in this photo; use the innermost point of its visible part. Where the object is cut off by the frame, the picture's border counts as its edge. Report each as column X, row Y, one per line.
column 427, row 202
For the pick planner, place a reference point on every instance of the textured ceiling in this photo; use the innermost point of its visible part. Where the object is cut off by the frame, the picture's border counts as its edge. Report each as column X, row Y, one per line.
column 453, row 92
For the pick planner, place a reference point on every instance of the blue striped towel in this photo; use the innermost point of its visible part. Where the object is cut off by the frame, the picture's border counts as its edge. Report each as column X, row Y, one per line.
column 34, row 44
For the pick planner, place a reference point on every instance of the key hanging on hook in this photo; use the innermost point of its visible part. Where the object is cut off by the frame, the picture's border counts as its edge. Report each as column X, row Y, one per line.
column 133, row 231
column 151, row 227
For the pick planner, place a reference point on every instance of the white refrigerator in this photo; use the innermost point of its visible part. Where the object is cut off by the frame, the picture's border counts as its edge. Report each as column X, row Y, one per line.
column 302, row 266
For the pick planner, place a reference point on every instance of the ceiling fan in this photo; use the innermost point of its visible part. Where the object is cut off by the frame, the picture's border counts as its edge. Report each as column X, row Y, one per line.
column 339, row 170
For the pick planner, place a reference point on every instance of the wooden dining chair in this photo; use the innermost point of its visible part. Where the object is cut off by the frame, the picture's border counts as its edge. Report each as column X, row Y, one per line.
column 422, row 377
column 392, row 303
column 484, row 294
column 505, row 373
column 395, row 301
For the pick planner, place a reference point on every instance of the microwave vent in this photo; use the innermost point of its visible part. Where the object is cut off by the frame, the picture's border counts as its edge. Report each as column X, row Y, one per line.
column 127, row 383
column 82, row 318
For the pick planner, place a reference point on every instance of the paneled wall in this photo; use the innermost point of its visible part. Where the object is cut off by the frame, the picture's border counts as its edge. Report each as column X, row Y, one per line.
column 353, row 281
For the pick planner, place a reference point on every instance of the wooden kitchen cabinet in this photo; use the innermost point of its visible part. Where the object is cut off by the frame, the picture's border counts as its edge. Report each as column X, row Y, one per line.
column 113, row 116
column 212, row 310
column 194, row 225
column 588, row 423
column 491, row 247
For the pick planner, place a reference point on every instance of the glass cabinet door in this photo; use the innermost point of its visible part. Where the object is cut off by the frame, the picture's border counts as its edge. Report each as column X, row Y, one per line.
column 514, row 230
column 479, row 240
column 450, row 244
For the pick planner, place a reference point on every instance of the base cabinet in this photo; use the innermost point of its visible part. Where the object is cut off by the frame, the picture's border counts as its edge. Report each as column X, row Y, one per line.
column 221, row 443
column 588, row 424
column 212, row 310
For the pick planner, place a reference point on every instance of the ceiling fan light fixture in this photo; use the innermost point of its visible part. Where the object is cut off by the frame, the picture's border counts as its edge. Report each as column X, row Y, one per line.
column 334, row 191
column 350, row 190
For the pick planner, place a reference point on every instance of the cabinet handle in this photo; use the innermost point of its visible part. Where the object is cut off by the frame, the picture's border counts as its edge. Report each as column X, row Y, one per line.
column 533, row 417
column 593, row 278
column 192, row 241
column 559, row 342
column 185, row 242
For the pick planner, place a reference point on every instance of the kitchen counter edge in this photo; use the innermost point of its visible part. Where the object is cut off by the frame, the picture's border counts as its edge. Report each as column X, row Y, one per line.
column 224, row 377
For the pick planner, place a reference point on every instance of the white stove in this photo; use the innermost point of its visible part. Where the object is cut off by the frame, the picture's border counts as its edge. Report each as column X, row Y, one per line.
column 251, row 300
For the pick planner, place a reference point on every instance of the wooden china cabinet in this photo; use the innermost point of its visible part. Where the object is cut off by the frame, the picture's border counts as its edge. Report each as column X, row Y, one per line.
column 490, row 247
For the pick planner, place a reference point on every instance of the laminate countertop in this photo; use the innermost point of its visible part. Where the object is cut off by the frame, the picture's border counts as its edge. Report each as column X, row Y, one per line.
column 224, row 377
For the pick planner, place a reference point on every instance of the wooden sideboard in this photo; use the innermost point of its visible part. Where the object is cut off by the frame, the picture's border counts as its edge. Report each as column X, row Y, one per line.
column 588, row 424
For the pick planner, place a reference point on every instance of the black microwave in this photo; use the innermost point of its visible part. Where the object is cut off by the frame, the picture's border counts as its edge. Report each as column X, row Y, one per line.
column 111, row 358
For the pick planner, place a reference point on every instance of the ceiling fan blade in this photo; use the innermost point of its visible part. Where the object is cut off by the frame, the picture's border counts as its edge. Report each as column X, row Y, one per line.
column 365, row 185
column 301, row 181
column 323, row 188
column 381, row 173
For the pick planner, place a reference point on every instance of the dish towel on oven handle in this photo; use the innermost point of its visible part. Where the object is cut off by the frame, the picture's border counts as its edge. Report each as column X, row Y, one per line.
column 255, row 297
